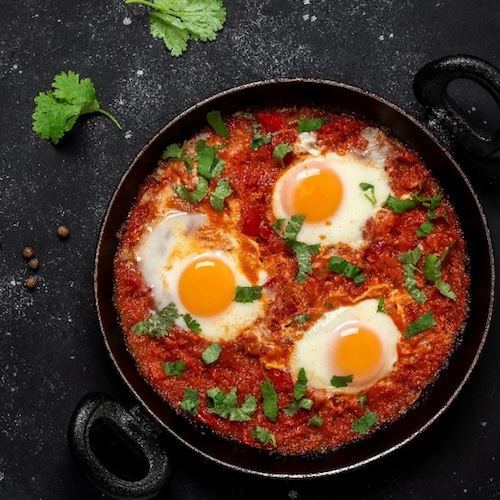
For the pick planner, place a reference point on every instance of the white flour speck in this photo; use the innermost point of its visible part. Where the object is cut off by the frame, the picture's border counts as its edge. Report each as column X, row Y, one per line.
column 127, row 21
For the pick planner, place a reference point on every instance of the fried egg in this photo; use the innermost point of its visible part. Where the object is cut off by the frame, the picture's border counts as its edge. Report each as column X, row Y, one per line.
column 337, row 194
column 355, row 343
column 185, row 261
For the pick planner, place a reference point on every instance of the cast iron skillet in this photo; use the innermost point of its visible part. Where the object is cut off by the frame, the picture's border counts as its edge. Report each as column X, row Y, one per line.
column 136, row 426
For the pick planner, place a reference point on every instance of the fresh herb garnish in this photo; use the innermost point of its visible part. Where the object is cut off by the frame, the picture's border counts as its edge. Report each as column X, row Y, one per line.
column 341, row 266
column 300, row 387
column 226, row 405
column 215, row 120
column 175, row 22
column 292, row 227
column 300, row 319
column 158, row 324
column 211, row 354
column 381, row 306
column 299, row 391
column 174, row 368
column 421, row 324
column 172, row 151
column 264, row 436
column 56, row 111
column 310, row 124
column 425, row 229
column 259, row 140
column 409, row 260
column 209, row 165
column 196, row 195
column 363, row 424
column 315, row 421
column 191, row 323
column 269, row 400
column 190, row 401
column 341, row 380
column 246, row 294
column 280, row 151
column 432, row 273
column 369, row 192
column 400, row 205
column 362, row 400
column 298, row 404
column 222, row 191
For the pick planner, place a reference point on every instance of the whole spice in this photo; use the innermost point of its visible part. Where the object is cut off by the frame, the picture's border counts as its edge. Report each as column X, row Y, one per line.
column 33, row 263
column 28, row 253
column 31, row 282
column 62, row 232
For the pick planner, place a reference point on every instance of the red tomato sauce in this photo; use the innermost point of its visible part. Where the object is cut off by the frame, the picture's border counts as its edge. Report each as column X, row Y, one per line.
column 246, row 362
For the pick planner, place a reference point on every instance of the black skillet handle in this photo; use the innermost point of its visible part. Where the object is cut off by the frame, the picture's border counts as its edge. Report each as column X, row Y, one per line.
column 444, row 115
column 116, row 449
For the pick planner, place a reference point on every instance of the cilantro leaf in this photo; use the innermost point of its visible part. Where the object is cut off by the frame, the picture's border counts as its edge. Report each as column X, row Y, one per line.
column 300, row 387
column 264, row 436
column 259, row 140
column 222, row 191
column 215, row 120
column 269, row 400
column 175, row 22
column 339, row 265
column 280, row 151
column 246, row 294
column 341, row 380
column 172, row 151
column 191, row 323
column 381, row 306
column 56, row 111
column 226, row 405
column 399, row 205
column 432, row 273
column 303, row 253
column 310, row 124
column 211, row 354
column 315, row 421
column 363, row 424
column 292, row 226
column 409, row 260
column 159, row 324
column 174, row 368
column 190, row 401
column 302, row 318
column 425, row 229
column 421, row 324
column 369, row 191
column 298, row 404
column 196, row 195
column 209, row 166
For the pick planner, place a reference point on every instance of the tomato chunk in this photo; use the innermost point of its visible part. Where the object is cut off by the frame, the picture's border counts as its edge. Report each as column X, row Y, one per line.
column 282, row 380
column 251, row 222
column 270, row 121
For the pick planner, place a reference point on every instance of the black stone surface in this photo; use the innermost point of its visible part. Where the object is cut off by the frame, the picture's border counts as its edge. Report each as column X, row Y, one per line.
column 51, row 350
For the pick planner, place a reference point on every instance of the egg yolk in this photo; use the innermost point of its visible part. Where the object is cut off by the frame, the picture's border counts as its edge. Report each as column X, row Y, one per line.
column 206, row 286
column 357, row 352
column 316, row 192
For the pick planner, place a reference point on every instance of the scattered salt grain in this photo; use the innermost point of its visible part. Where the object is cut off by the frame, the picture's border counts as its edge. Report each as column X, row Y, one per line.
column 127, row 21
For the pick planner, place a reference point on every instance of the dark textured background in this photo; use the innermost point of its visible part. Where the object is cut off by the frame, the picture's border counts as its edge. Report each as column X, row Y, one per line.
column 51, row 350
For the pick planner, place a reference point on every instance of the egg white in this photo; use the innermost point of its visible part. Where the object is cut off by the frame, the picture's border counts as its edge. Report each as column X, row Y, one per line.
column 313, row 351
column 347, row 223
column 166, row 249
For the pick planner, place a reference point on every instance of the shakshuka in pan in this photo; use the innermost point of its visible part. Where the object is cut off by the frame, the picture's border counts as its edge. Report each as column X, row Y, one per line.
column 292, row 278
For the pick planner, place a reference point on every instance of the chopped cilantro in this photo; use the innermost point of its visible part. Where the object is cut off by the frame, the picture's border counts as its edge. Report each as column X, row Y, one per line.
column 421, row 324
column 409, row 260
column 174, row 368
column 211, row 354
column 300, row 319
column 209, row 165
column 196, row 195
column 292, row 227
column 190, row 401
column 381, row 306
column 432, row 273
column 264, row 436
column 315, row 421
column 215, row 120
column 56, row 111
column 280, row 151
column 226, row 405
column 191, row 323
column 259, row 140
column 269, row 400
column 399, row 205
column 298, row 404
column 300, row 387
column 303, row 253
column 362, row 400
column 158, row 324
column 246, row 294
column 369, row 191
column 221, row 192
column 341, row 380
column 341, row 266
column 176, row 22
column 310, row 124
column 363, row 424
column 172, row 151
column 425, row 229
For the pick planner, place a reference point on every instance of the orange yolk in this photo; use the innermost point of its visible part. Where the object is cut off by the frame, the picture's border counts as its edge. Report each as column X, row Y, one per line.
column 357, row 352
column 316, row 192
column 207, row 286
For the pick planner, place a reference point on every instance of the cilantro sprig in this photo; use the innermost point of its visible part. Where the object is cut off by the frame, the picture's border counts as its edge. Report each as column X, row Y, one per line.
column 176, row 22
column 342, row 266
column 226, row 405
column 56, row 111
